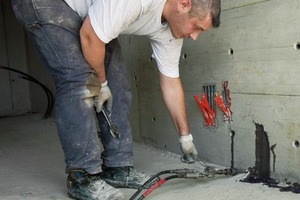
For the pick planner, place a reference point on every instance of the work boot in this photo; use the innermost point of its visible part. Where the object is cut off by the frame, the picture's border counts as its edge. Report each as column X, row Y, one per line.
column 124, row 177
column 83, row 186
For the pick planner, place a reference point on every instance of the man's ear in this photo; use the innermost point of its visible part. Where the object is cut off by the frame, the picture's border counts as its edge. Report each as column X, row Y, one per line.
column 184, row 5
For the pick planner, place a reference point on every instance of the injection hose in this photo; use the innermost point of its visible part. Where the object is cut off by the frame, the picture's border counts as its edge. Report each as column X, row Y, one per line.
column 159, row 183
column 149, row 181
column 209, row 171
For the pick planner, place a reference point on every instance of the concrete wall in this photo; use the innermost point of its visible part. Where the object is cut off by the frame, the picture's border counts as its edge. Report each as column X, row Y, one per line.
column 14, row 92
column 17, row 95
column 263, row 75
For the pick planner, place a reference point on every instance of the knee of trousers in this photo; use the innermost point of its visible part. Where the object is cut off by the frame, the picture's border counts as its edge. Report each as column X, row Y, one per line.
column 83, row 91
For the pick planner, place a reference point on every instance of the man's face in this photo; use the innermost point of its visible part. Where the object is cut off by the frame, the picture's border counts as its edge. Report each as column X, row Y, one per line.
column 184, row 26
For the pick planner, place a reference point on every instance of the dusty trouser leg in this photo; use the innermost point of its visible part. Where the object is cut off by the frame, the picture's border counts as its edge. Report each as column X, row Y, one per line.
column 117, row 151
column 117, row 156
column 76, row 127
column 54, row 29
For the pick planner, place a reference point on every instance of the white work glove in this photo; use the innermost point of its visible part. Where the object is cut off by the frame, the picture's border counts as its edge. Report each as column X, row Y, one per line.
column 104, row 96
column 188, row 148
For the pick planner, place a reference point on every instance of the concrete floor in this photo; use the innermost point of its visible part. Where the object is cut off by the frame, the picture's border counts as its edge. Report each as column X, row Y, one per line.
column 32, row 168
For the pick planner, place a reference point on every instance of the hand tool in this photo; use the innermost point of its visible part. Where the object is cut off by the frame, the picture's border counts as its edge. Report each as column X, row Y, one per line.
column 113, row 129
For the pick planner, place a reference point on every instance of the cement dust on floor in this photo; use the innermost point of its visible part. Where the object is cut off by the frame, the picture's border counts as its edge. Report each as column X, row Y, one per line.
column 32, row 168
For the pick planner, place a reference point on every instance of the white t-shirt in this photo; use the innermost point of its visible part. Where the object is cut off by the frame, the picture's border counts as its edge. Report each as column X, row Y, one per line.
column 110, row 18
column 80, row 6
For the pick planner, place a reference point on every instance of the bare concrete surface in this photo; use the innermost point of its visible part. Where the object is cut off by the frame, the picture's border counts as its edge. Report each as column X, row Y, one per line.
column 32, row 168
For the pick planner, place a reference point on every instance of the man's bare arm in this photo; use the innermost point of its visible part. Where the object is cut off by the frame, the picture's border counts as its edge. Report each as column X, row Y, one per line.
column 175, row 102
column 93, row 49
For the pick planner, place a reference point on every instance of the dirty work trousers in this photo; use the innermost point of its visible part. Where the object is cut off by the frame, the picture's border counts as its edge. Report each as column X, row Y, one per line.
column 54, row 29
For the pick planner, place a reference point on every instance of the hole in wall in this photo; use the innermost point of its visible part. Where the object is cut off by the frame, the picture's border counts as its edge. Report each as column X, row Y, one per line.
column 184, row 56
column 230, row 51
column 296, row 144
column 150, row 59
column 232, row 133
column 153, row 119
column 297, row 46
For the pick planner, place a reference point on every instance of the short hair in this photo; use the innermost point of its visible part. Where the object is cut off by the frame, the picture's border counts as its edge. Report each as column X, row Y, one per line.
column 201, row 8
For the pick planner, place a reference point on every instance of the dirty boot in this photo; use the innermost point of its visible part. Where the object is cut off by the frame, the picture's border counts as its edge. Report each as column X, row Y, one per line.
column 82, row 186
column 124, row 177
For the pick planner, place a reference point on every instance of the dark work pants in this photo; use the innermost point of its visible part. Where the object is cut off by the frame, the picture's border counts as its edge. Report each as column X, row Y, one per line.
column 54, row 29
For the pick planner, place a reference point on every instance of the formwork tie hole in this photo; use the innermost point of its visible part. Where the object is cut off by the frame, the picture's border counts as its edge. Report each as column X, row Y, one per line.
column 297, row 46
column 296, row 144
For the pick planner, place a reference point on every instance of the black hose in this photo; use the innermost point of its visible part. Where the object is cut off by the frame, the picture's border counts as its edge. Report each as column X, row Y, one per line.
column 146, row 184
column 157, row 185
column 180, row 173
column 48, row 111
column 25, row 76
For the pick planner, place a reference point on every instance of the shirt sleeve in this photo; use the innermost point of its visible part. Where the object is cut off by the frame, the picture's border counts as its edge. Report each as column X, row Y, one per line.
column 167, row 54
column 110, row 17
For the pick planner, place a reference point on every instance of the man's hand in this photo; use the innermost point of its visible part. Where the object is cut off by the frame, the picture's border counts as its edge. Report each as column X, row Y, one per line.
column 104, row 96
column 188, row 148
